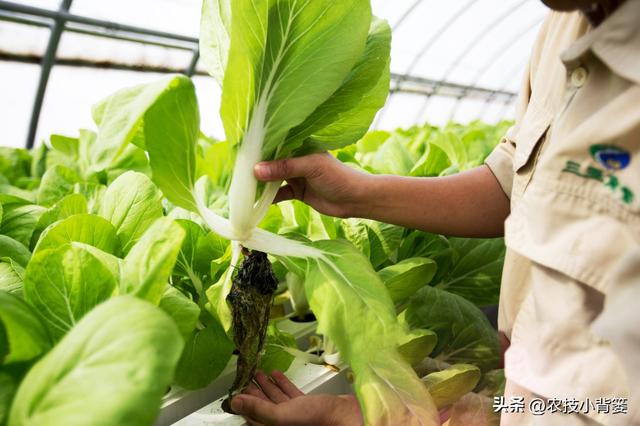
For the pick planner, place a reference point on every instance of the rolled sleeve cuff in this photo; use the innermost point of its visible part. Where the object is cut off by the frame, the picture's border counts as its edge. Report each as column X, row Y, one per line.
column 500, row 162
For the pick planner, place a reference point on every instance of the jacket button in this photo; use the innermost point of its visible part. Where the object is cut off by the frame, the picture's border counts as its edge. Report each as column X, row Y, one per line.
column 579, row 77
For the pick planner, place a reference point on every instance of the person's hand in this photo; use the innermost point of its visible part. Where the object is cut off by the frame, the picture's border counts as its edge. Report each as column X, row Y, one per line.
column 319, row 180
column 279, row 402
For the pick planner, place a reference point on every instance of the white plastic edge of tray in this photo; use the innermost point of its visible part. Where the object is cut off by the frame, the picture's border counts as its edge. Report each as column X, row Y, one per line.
column 195, row 408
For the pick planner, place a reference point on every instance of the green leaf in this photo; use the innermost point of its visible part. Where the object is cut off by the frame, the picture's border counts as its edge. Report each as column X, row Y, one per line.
column 407, row 276
column 26, row 335
column 417, row 345
column 131, row 203
column 39, row 161
column 273, row 220
column 214, row 36
column 66, row 207
column 93, row 193
column 19, row 222
column 13, row 195
column 172, row 126
column 217, row 293
column 114, row 365
column 11, row 277
column 357, row 232
column 14, row 250
column 452, row 146
column 215, row 161
column 464, row 333
column 384, row 240
column 147, row 267
column 297, row 295
column 393, row 157
column 422, row 244
column 474, row 410
column 476, row 271
column 57, row 182
column 133, row 158
column 390, row 393
column 372, row 141
column 346, row 115
column 8, row 388
column 183, row 310
column 432, row 163
column 83, row 228
column 66, row 145
column 280, row 74
column 206, row 354
column 492, row 383
column 66, row 283
column 353, row 310
column 186, row 263
column 121, row 116
column 14, row 163
column 275, row 357
column 448, row 386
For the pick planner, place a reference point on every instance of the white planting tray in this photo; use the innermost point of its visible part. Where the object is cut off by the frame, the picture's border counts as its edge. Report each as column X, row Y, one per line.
column 183, row 407
column 310, row 378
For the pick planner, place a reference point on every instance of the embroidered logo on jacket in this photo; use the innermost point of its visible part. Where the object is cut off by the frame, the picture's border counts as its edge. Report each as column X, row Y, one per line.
column 610, row 156
column 613, row 159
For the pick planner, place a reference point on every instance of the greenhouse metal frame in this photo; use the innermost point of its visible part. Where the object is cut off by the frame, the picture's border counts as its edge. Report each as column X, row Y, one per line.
column 61, row 20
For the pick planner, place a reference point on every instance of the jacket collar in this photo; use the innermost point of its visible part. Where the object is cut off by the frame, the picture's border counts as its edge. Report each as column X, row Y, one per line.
column 616, row 42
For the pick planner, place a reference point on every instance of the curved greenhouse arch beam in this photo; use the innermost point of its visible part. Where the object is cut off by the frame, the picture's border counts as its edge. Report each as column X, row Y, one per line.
column 423, row 51
column 485, row 31
column 405, row 15
column 499, row 53
column 513, row 73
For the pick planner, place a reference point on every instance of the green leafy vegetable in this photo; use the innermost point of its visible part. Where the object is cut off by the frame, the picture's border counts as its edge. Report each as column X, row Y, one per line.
column 10, row 248
column 65, row 284
column 148, row 265
column 93, row 367
column 276, row 356
column 448, row 386
column 131, row 203
column 206, row 354
column 83, row 228
column 407, row 276
column 26, row 335
column 464, row 333
column 184, row 312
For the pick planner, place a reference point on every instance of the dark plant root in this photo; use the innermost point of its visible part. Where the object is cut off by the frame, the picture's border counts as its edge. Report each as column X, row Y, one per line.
column 226, row 406
column 250, row 302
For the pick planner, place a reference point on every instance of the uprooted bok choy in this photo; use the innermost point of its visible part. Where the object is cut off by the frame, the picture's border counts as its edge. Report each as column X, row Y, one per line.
column 297, row 76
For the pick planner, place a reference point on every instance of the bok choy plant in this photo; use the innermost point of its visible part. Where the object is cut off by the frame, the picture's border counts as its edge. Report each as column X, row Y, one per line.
column 297, row 77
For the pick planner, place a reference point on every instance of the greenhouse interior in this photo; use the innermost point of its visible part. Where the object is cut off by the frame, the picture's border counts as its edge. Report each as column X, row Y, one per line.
column 319, row 212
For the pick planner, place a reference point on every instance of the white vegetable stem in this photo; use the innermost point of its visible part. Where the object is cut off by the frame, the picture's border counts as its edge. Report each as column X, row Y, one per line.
column 242, row 193
column 257, row 239
column 266, row 199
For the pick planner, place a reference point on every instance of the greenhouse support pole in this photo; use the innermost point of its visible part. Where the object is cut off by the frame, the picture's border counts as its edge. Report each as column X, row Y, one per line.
column 191, row 69
column 45, row 71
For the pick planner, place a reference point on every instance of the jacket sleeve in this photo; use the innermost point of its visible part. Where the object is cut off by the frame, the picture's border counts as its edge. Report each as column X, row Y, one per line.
column 501, row 160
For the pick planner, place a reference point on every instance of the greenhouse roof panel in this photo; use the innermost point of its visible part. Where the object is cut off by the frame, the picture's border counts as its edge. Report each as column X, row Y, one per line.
column 448, row 58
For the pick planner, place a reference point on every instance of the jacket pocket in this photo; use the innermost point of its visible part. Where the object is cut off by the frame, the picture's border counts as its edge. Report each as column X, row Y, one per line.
column 532, row 129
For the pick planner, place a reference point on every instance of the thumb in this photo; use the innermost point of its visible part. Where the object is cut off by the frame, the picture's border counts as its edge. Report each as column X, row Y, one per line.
column 255, row 409
column 288, row 168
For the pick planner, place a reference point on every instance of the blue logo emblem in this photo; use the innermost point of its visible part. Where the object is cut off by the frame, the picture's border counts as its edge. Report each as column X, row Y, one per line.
column 611, row 157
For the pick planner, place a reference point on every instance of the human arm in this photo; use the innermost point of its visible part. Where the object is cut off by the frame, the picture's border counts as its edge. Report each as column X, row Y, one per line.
column 470, row 204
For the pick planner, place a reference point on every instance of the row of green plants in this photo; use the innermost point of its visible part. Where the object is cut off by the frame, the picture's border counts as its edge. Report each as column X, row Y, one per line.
column 119, row 248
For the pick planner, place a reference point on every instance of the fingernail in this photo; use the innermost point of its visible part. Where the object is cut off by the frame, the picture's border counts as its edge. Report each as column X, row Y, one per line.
column 262, row 171
column 236, row 404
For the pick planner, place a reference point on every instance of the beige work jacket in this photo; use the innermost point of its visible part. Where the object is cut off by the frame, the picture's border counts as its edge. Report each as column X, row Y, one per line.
column 571, row 167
